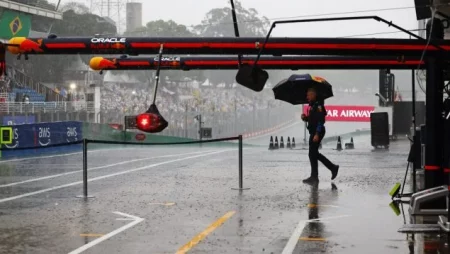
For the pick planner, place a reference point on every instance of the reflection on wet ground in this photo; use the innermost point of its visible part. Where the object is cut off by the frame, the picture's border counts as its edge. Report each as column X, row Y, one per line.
column 180, row 199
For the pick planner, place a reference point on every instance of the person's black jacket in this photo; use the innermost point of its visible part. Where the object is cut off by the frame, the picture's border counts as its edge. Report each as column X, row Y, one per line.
column 316, row 117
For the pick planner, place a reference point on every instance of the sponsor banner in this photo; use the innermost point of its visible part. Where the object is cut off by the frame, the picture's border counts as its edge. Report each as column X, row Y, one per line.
column 346, row 113
column 45, row 134
column 16, row 120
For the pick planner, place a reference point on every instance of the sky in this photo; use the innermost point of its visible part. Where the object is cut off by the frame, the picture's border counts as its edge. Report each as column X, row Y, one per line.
column 191, row 12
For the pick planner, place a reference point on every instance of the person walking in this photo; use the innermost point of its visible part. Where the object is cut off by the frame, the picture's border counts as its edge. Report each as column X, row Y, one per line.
column 316, row 128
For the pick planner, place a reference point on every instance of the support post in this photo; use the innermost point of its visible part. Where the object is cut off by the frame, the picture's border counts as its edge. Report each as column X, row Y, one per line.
column 241, row 171
column 434, row 109
column 434, row 106
column 200, row 127
column 434, row 174
column 414, row 132
column 85, row 176
column 85, row 187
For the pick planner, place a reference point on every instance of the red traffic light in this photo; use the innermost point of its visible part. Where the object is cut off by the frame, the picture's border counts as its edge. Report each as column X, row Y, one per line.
column 150, row 122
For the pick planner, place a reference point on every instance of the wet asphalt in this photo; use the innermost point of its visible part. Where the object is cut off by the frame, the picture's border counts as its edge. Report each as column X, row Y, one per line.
column 180, row 200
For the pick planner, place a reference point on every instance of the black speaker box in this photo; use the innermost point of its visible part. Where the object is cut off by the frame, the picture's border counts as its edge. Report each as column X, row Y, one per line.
column 423, row 10
column 379, row 126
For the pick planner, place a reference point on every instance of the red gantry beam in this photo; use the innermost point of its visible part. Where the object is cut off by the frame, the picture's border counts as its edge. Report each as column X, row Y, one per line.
column 225, row 45
column 231, row 63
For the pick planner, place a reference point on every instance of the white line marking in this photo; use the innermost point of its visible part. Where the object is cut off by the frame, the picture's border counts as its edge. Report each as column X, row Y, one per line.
column 136, row 220
column 290, row 246
column 39, row 157
column 95, row 168
column 107, row 176
column 56, row 155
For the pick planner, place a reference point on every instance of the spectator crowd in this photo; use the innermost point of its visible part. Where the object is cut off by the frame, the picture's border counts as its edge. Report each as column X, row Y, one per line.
column 118, row 100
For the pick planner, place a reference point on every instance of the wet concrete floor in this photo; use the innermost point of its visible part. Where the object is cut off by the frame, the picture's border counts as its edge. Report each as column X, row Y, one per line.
column 180, row 200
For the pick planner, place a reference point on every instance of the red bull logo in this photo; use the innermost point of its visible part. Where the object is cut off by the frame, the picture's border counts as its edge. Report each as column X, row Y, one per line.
column 22, row 45
column 100, row 63
column 318, row 79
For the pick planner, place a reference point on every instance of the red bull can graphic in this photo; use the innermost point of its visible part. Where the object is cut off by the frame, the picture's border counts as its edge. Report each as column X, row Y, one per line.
column 22, row 45
column 100, row 63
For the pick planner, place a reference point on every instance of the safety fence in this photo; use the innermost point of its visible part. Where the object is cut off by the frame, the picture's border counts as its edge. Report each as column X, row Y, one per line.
column 46, row 107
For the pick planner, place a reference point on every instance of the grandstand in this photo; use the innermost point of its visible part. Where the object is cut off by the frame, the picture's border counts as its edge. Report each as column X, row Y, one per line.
column 25, row 18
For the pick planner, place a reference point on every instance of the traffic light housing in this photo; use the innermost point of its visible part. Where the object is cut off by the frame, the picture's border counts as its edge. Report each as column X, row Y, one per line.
column 151, row 121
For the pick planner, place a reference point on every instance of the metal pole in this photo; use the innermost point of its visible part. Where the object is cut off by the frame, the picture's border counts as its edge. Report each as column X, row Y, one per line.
column 414, row 164
column 185, row 120
column 85, row 184
column 85, row 177
column 241, row 170
column 200, row 127
column 240, row 163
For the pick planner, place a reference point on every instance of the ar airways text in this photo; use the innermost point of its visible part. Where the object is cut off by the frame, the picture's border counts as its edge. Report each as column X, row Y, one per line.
column 346, row 113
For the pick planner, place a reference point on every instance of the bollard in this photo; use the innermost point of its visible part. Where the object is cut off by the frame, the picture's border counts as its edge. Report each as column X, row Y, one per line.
column 276, row 142
column 271, row 146
column 339, row 144
column 281, row 142
column 293, row 143
column 241, row 171
column 288, row 145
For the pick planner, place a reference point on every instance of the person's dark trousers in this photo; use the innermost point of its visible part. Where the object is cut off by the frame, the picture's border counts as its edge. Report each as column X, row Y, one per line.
column 315, row 156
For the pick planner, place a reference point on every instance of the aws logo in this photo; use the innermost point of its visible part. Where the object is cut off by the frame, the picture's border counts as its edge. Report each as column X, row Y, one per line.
column 15, row 26
column 72, row 134
column 44, row 136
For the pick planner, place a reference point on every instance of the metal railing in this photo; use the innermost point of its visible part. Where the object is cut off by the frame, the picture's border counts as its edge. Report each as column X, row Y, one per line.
column 21, row 80
column 37, row 107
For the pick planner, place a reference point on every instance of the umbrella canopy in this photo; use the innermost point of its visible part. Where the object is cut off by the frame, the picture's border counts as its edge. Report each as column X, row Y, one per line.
column 294, row 89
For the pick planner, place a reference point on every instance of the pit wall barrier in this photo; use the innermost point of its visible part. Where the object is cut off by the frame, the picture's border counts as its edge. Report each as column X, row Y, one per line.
column 45, row 134
column 42, row 135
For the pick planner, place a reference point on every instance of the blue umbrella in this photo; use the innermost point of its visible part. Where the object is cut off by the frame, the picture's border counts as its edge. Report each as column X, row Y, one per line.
column 294, row 89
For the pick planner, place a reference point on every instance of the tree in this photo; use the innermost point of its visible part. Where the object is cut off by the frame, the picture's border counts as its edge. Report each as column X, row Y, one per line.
column 78, row 8
column 218, row 22
column 161, row 28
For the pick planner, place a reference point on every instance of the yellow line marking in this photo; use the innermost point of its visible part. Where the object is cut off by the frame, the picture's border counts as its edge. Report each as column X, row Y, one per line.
column 312, row 239
column 164, row 204
column 192, row 243
column 92, row 235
